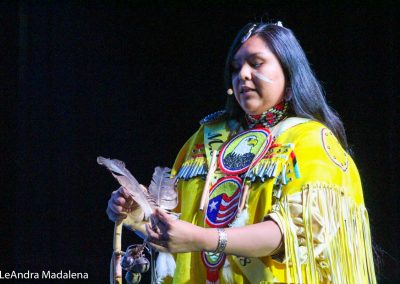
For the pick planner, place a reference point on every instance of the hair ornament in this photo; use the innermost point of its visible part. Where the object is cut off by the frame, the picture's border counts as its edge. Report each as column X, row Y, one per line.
column 279, row 24
column 246, row 37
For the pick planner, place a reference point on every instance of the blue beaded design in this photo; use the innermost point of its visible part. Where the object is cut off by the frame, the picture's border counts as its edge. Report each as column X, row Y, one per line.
column 212, row 117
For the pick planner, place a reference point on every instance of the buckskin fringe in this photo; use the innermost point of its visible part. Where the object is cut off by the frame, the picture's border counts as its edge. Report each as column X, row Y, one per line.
column 326, row 236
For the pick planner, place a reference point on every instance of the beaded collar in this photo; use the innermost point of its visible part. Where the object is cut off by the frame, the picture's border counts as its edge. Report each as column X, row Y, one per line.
column 269, row 118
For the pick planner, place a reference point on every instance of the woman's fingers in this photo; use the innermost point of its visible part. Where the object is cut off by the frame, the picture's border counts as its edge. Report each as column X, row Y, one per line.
column 121, row 205
column 156, row 240
column 122, row 191
column 163, row 216
column 152, row 235
column 124, row 203
column 120, row 198
column 159, row 247
column 115, row 216
column 115, row 206
column 125, row 193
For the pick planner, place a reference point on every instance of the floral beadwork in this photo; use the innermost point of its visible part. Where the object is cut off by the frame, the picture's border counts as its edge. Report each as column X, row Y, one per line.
column 269, row 118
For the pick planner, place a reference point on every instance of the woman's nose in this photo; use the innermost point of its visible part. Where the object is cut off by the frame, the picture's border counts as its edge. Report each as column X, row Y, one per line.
column 245, row 72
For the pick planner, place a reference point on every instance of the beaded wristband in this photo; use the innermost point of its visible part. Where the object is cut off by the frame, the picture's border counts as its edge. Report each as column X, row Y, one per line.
column 222, row 240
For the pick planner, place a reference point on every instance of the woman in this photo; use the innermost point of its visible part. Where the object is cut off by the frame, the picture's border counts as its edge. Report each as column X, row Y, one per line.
column 267, row 192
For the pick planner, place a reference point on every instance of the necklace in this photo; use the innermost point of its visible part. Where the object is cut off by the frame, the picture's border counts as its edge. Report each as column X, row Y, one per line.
column 268, row 118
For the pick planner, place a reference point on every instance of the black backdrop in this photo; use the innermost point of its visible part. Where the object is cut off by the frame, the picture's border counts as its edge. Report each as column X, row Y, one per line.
column 130, row 80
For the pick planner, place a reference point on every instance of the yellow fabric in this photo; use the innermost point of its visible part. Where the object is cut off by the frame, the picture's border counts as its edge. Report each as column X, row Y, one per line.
column 321, row 213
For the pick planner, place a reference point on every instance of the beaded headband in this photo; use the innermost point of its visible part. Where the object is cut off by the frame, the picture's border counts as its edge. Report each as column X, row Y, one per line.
column 246, row 37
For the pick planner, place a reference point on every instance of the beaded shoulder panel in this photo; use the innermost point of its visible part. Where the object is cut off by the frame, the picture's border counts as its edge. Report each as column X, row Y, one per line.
column 279, row 162
column 213, row 117
column 195, row 165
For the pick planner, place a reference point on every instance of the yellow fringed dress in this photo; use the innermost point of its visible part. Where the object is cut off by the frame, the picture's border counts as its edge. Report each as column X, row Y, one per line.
column 311, row 189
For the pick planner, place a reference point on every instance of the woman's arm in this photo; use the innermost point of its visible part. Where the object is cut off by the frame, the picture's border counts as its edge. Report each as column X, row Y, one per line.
column 255, row 240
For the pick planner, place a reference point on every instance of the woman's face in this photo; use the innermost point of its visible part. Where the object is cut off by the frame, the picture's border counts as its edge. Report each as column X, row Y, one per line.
column 257, row 77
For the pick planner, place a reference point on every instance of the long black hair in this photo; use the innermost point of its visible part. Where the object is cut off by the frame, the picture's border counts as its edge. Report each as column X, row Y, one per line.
column 303, row 91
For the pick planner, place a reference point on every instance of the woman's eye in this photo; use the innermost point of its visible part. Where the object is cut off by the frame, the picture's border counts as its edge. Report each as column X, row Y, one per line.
column 257, row 64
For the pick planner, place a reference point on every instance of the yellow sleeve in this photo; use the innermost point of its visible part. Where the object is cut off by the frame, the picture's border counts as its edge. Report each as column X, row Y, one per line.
column 185, row 157
column 322, row 160
column 321, row 212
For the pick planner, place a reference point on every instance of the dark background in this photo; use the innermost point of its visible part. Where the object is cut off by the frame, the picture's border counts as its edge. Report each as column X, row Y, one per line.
column 130, row 80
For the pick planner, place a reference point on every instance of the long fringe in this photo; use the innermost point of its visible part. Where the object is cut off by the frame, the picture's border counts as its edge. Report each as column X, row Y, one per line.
column 344, row 255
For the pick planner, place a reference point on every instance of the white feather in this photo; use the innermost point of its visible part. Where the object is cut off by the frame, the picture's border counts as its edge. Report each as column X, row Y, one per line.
column 165, row 266
column 126, row 179
column 162, row 189
column 241, row 219
column 227, row 272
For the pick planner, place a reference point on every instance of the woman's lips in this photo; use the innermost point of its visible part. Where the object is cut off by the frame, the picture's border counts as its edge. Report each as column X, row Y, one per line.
column 245, row 89
column 247, row 92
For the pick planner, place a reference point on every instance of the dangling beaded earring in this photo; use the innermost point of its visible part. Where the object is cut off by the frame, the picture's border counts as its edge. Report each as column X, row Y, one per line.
column 288, row 94
column 229, row 92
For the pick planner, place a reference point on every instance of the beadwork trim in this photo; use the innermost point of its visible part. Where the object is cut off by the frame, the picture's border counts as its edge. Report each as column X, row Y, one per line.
column 269, row 118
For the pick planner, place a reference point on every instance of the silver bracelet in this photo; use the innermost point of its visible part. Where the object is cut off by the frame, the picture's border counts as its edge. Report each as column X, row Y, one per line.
column 222, row 240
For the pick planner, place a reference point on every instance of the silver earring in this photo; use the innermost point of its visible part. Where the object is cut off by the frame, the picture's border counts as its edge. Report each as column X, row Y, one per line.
column 288, row 94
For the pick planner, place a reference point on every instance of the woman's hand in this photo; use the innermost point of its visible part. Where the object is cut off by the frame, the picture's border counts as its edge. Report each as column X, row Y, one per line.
column 121, row 206
column 171, row 235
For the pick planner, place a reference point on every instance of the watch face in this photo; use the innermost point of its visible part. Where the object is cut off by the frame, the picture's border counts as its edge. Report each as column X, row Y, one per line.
column 224, row 201
column 246, row 148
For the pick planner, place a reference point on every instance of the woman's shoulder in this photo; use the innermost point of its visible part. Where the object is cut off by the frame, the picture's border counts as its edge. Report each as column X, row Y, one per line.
column 305, row 128
column 193, row 151
column 313, row 141
column 321, row 159
column 316, row 145
column 308, row 133
column 208, row 121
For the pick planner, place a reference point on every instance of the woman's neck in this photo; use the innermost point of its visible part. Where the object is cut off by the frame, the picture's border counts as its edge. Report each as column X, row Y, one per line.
column 270, row 117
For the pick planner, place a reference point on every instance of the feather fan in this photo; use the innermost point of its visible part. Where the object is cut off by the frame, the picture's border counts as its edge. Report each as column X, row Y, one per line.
column 162, row 189
column 126, row 179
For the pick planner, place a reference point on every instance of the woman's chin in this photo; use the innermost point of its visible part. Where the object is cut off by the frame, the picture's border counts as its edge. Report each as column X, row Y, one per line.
column 254, row 109
column 248, row 107
column 251, row 109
